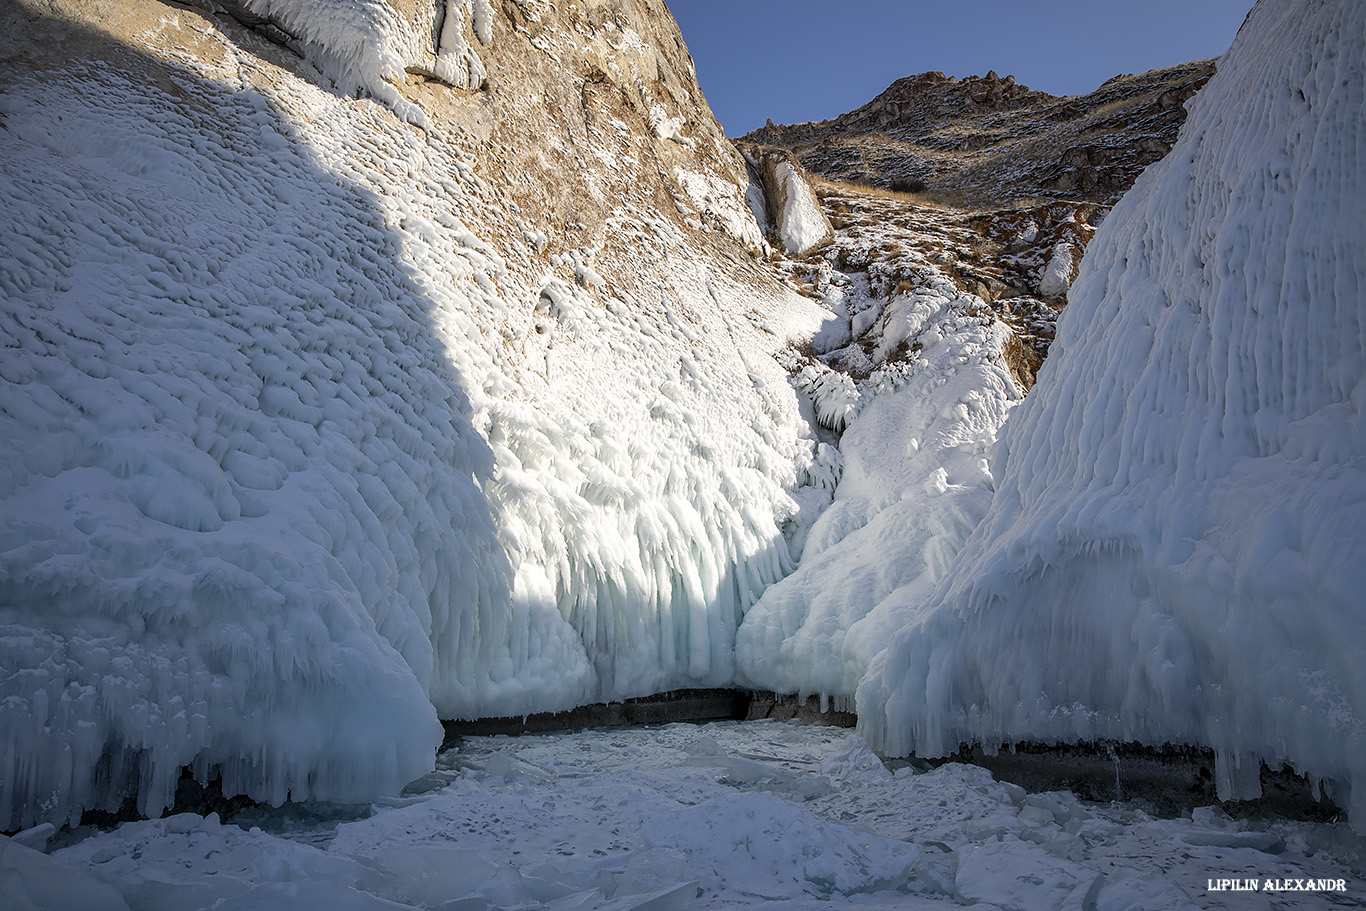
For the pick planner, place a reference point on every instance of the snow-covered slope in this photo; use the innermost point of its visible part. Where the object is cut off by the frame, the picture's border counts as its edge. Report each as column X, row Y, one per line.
column 1176, row 549
column 316, row 425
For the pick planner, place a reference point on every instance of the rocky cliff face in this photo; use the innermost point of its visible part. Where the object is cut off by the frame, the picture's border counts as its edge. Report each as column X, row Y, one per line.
column 572, row 112
column 995, row 186
column 985, row 141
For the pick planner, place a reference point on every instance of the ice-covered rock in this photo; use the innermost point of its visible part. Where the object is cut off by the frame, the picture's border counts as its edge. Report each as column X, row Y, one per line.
column 1056, row 277
column 370, row 45
column 315, row 427
column 1175, row 551
column 797, row 215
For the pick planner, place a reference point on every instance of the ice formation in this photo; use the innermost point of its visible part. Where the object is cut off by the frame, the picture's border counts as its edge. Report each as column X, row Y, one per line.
column 914, row 483
column 801, row 222
column 1175, row 551
column 730, row 815
column 292, row 462
column 797, row 215
column 457, row 62
column 1056, row 277
column 369, row 45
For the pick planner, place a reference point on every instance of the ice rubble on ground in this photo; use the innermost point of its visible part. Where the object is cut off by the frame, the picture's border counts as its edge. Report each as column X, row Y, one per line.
column 730, row 815
column 273, row 495
column 1175, row 551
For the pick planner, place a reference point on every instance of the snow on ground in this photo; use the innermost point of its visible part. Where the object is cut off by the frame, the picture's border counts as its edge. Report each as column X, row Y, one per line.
column 719, row 816
column 1176, row 549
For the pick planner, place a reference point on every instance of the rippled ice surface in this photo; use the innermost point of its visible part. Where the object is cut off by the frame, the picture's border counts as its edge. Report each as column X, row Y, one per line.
column 725, row 815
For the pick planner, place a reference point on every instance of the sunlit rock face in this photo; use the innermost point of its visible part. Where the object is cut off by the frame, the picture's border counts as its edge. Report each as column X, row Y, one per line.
column 366, row 364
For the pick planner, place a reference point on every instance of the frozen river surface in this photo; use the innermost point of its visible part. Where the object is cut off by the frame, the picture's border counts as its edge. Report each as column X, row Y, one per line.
column 725, row 815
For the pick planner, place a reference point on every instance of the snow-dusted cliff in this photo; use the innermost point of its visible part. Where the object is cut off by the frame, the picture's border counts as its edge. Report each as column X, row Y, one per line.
column 323, row 416
column 1176, row 550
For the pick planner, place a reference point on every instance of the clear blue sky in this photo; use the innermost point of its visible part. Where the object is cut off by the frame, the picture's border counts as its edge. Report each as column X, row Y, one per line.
column 800, row 60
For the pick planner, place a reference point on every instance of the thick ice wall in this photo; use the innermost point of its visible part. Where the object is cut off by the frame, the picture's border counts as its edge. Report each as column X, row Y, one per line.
column 294, row 455
column 241, row 491
column 1176, row 551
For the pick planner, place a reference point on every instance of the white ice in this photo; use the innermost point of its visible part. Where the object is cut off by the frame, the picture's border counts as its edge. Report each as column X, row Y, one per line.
column 801, row 222
column 293, row 462
column 796, row 211
column 1176, row 549
column 722, row 816
column 368, row 45
column 913, row 484
column 1056, row 277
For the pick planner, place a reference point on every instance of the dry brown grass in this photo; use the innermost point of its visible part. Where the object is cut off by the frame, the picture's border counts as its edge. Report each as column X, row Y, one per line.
column 1034, row 202
column 930, row 199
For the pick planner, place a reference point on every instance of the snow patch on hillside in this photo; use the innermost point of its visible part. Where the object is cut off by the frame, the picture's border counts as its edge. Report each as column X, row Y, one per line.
column 1176, row 552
